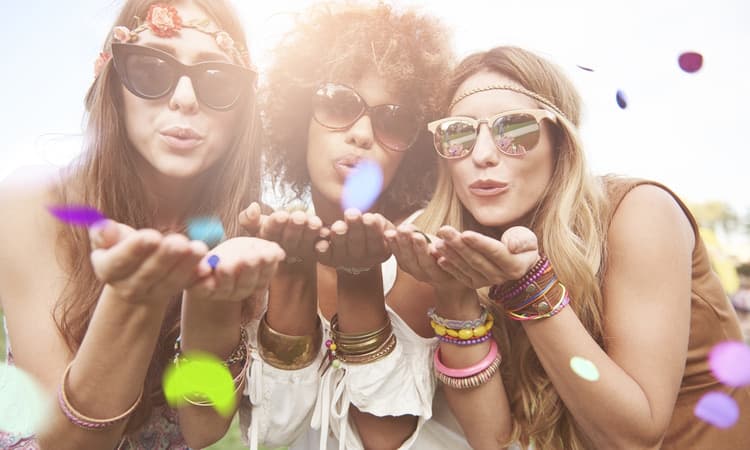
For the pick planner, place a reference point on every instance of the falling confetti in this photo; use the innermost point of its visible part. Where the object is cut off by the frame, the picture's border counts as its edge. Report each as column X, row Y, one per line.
column 213, row 261
column 24, row 409
column 690, row 62
column 718, row 409
column 587, row 69
column 730, row 363
column 362, row 186
column 207, row 229
column 584, row 368
column 83, row 216
column 622, row 102
column 202, row 378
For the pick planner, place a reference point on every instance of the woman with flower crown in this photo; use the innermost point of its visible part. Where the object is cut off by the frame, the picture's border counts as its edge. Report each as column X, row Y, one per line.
column 95, row 315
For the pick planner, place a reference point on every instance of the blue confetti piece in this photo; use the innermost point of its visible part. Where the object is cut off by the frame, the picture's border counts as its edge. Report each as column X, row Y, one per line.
column 213, row 261
column 78, row 215
column 207, row 229
column 622, row 102
column 718, row 409
column 363, row 186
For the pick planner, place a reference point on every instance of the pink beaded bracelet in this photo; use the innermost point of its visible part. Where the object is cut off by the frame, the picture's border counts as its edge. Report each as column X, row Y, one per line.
column 467, row 371
column 502, row 294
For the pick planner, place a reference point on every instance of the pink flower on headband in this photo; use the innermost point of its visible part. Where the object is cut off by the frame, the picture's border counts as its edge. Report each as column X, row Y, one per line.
column 163, row 20
column 121, row 34
column 224, row 41
column 100, row 62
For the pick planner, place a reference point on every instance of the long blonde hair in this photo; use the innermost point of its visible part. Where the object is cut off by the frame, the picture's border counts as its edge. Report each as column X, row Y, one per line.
column 105, row 177
column 568, row 222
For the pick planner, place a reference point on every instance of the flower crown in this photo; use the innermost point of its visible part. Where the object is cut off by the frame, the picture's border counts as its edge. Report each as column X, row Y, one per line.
column 164, row 21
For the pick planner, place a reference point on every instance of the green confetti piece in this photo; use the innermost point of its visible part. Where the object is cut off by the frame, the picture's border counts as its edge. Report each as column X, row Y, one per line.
column 24, row 407
column 200, row 375
column 584, row 368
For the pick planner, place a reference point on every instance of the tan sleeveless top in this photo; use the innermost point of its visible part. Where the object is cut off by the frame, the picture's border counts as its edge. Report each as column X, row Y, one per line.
column 712, row 320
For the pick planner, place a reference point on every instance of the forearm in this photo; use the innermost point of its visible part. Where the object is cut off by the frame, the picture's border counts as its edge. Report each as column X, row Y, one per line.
column 484, row 411
column 213, row 327
column 361, row 309
column 292, row 302
column 107, row 373
column 628, row 422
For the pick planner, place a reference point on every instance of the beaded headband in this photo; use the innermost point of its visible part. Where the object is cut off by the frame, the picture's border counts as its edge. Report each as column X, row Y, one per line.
column 165, row 21
column 506, row 87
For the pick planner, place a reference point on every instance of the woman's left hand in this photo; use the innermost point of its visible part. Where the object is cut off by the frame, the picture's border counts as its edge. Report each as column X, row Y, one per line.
column 357, row 242
column 479, row 261
column 243, row 271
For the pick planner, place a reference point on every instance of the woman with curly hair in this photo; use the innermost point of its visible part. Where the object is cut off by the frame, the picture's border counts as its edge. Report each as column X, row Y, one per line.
column 94, row 315
column 605, row 306
column 350, row 85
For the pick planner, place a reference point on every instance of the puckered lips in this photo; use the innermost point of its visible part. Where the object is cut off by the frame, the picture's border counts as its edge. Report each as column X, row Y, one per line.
column 181, row 137
column 488, row 187
column 346, row 164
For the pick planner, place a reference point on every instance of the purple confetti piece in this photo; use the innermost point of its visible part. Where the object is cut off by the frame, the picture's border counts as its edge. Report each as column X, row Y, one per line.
column 213, row 261
column 718, row 409
column 690, row 62
column 622, row 102
column 362, row 186
column 587, row 69
column 730, row 363
column 83, row 216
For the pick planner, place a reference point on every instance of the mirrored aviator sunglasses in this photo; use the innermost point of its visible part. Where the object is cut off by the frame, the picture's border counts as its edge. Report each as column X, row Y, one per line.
column 152, row 74
column 338, row 107
column 513, row 132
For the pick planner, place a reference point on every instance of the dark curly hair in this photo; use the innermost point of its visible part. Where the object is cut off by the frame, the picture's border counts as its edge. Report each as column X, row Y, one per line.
column 337, row 41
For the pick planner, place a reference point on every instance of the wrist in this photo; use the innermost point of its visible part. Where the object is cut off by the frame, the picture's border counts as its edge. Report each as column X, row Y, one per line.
column 459, row 304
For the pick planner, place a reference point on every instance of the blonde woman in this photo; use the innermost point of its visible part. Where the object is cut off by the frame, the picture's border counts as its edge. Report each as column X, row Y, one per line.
column 605, row 272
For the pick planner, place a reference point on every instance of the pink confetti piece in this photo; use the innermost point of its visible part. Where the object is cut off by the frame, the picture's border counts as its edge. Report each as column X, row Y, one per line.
column 690, row 62
column 77, row 215
column 730, row 363
column 718, row 409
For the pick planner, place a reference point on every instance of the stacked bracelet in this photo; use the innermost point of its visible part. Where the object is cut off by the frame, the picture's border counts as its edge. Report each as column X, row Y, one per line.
column 472, row 376
column 506, row 291
column 83, row 421
column 472, row 331
column 359, row 348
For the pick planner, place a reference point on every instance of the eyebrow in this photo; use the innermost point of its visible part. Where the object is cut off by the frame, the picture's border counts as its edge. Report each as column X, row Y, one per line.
column 204, row 56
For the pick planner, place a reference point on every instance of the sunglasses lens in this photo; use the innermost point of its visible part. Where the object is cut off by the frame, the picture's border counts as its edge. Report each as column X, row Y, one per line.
column 148, row 76
column 219, row 88
column 516, row 133
column 336, row 106
column 396, row 127
column 455, row 138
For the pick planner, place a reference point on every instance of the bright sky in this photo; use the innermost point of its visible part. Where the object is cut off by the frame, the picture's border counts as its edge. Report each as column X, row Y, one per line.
column 685, row 130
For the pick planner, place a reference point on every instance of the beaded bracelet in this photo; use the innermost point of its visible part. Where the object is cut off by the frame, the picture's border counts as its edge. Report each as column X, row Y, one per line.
column 457, row 324
column 473, row 341
column 539, row 294
column 82, row 421
column 465, row 333
column 473, row 381
column 507, row 291
column 564, row 300
column 239, row 354
column 466, row 371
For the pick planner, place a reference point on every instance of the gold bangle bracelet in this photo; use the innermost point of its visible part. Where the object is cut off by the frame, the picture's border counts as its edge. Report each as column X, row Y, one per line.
column 287, row 352
column 356, row 336
column 381, row 352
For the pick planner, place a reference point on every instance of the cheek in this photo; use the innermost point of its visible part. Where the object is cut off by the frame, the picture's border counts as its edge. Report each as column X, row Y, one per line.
column 389, row 164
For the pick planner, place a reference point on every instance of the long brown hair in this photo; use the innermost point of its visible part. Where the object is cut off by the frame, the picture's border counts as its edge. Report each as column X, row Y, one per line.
column 568, row 222
column 105, row 177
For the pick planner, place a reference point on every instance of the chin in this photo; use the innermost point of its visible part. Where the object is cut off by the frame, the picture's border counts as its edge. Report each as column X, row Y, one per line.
column 493, row 216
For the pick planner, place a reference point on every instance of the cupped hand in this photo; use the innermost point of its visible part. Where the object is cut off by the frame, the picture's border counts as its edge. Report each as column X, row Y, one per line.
column 144, row 266
column 479, row 261
column 357, row 242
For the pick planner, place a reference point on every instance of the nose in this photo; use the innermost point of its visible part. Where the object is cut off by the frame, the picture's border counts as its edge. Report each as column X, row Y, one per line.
column 183, row 98
column 485, row 154
column 361, row 133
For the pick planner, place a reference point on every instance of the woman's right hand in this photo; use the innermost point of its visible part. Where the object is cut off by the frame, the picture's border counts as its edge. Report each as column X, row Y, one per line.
column 296, row 232
column 145, row 266
column 414, row 257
